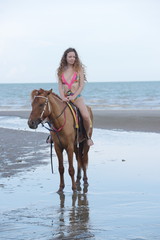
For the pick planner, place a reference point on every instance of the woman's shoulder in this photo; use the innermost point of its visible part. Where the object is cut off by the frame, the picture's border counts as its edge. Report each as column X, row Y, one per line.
column 80, row 71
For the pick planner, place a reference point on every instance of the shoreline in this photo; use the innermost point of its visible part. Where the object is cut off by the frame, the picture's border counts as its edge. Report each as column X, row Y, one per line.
column 20, row 148
column 123, row 175
column 128, row 120
column 125, row 120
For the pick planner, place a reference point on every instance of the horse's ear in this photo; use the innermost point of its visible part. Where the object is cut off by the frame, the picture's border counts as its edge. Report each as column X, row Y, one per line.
column 40, row 91
column 49, row 92
column 34, row 93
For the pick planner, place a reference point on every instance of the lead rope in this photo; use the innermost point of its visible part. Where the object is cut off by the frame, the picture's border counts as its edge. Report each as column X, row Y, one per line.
column 52, row 129
column 51, row 158
column 51, row 145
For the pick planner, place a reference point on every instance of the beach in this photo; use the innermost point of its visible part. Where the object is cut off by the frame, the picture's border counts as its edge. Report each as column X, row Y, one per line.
column 122, row 200
column 28, row 142
column 128, row 120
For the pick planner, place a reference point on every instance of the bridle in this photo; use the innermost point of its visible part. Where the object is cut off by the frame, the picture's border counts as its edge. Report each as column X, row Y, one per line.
column 51, row 127
column 45, row 105
column 49, row 107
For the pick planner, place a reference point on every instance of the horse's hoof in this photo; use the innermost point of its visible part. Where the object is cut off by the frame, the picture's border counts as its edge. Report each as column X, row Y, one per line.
column 74, row 189
column 85, row 189
column 60, row 190
column 79, row 187
column 78, row 181
column 86, row 184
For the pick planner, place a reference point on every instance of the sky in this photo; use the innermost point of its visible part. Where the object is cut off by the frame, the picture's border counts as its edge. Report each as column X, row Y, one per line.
column 117, row 40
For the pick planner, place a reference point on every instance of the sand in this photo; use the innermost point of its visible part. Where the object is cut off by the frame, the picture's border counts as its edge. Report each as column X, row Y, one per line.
column 128, row 120
column 121, row 202
column 14, row 144
column 20, row 151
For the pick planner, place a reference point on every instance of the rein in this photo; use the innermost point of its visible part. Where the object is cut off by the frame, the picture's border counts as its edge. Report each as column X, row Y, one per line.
column 45, row 105
column 51, row 127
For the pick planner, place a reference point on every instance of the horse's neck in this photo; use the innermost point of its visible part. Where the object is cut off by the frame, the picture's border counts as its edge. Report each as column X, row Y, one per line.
column 56, row 106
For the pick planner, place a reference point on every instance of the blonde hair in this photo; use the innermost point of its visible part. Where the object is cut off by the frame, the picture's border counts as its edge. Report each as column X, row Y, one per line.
column 78, row 66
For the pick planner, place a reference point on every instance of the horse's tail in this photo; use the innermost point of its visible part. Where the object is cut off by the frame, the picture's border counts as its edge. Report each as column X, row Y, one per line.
column 83, row 154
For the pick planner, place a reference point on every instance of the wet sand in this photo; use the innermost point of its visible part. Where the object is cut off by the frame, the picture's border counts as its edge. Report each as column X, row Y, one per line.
column 20, row 151
column 128, row 120
column 121, row 202
column 15, row 144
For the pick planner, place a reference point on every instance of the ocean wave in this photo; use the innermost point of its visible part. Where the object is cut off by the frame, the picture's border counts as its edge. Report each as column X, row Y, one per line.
column 129, row 95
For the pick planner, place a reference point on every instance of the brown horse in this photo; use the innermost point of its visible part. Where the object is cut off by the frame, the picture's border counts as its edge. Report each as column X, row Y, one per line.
column 49, row 106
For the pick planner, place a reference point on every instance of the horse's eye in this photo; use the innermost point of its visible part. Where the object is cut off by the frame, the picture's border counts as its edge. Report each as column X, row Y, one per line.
column 41, row 105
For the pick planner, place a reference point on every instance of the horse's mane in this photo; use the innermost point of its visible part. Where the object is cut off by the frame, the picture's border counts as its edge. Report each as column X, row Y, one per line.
column 41, row 91
column 56, row 95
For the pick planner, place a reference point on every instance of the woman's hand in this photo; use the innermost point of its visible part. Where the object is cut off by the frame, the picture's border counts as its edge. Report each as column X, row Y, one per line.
column 70, row 98
column 65, row 99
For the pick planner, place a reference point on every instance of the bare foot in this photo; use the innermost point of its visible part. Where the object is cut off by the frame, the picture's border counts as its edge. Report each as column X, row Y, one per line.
column 49, row 139
column 90, row 142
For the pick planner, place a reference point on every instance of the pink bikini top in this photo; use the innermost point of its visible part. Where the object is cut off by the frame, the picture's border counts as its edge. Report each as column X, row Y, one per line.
column 74, row 79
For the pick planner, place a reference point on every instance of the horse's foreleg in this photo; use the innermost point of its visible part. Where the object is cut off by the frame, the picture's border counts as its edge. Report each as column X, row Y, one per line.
column 71, row 168
column 61, row 168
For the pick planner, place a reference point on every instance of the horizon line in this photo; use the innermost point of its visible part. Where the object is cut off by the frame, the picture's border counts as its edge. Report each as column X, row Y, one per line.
column 85, row 82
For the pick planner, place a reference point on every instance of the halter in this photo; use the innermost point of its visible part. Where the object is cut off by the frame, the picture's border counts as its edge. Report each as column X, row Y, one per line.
column 52, row 128
column 45, row 105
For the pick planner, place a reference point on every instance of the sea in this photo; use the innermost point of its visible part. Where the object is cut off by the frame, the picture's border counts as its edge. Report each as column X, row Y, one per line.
column 98, row 95
column 123, row 184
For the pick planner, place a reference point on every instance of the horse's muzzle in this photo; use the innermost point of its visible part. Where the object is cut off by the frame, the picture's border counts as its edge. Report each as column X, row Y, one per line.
column 34, row 123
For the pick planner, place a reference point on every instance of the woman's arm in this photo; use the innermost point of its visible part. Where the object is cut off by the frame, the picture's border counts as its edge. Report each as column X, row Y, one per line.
column 61, row 91
column 81, row 84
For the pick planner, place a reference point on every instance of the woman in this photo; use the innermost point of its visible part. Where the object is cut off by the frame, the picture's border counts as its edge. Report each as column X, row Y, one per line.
column 71, row 79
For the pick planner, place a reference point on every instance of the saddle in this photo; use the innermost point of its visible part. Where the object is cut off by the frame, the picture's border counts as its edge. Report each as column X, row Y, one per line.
column 81, row 133
column 78, row 120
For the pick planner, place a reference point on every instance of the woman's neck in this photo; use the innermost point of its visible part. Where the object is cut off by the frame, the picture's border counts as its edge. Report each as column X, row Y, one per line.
column 69, row 67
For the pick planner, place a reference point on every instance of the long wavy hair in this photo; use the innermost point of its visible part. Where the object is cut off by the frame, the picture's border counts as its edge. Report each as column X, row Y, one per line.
column 77, row 65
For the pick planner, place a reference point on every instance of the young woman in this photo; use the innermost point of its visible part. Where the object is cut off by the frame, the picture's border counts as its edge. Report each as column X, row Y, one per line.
column 71, row 79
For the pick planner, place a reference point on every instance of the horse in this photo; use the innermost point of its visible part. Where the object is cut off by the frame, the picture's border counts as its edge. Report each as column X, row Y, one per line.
column 48, row 106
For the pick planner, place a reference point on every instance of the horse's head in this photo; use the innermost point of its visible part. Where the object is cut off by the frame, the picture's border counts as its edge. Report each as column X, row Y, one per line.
column 40, row 107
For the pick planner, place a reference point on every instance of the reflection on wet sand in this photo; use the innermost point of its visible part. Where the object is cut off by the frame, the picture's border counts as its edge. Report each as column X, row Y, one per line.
column 73, row 221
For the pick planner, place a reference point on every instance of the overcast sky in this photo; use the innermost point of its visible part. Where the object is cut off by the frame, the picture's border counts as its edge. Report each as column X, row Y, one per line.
column 117, row 40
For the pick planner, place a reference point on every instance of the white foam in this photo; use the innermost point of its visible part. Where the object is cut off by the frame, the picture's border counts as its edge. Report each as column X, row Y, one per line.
column 109, row 145
column 17, row 123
